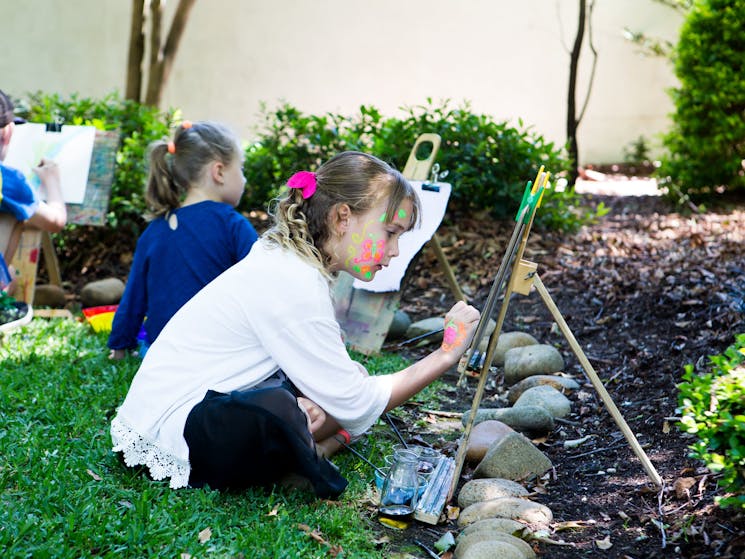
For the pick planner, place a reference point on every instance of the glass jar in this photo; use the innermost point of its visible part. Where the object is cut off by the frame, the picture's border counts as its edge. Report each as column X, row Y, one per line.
column 400, row 488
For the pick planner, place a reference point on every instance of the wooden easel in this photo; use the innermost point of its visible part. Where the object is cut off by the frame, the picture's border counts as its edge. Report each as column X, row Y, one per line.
column 523, row 277
column 366, row 316
column 420, row 170
column 32, row 244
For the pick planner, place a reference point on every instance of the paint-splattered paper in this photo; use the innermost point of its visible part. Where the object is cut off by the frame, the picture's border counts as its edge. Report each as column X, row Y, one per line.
column 434, row 204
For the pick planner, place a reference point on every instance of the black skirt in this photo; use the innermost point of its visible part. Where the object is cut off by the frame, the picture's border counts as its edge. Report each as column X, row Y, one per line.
column 255, row 438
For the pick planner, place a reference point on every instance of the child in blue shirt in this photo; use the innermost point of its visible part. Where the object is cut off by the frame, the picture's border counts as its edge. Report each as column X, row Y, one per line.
column 195, row 182
column 19, row 202
column 20, row 205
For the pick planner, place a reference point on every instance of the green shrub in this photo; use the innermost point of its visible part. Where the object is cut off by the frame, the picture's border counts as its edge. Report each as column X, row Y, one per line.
column 713, row 409
column 488, row 162
column 137, row 124
column 707, row 140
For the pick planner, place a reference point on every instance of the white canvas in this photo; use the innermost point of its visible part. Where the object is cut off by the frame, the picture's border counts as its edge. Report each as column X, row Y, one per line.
column 71, row 149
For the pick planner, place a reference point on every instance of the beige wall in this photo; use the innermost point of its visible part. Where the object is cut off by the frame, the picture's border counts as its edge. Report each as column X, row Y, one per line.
column 510, row 59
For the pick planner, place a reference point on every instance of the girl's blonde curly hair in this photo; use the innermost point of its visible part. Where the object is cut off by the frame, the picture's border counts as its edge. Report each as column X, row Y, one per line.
column 357, row 179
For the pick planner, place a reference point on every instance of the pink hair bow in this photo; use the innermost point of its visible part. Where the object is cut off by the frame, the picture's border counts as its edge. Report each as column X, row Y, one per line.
column 305, row 181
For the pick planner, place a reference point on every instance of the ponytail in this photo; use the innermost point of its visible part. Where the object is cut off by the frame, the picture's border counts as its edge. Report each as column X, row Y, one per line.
column 163, row 192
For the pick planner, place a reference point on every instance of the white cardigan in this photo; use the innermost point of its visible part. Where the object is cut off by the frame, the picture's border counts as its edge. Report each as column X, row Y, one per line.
column 269, row 311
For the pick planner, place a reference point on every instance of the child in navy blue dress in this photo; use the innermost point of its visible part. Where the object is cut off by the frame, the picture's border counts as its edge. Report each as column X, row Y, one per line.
column 195, row 182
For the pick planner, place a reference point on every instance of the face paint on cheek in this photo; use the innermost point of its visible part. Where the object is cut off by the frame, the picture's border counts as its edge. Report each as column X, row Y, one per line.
column 365, row 253
column 455, row 333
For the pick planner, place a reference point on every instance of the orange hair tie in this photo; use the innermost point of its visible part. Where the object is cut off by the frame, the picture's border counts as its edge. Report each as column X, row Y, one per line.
column 186, row 124
column 171, row 148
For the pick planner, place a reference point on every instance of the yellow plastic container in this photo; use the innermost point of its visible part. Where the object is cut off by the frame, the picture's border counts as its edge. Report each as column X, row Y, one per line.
column 100, row 318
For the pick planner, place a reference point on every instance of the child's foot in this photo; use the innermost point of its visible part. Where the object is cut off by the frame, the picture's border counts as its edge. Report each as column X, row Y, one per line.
column 13, row 314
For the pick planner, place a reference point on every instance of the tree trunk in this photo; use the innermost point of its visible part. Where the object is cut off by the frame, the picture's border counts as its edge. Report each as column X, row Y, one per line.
column 133, row 87
column 572, row 121
column 162, row 57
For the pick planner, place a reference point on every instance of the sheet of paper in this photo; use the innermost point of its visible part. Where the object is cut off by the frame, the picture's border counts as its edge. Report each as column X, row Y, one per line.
column 71, row 149
column 433, row 204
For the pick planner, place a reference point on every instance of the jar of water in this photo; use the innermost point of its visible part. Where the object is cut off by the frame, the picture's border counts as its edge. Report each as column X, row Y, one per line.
column 400, row 488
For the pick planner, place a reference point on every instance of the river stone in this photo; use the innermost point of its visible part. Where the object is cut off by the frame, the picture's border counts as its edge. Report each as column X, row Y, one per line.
column 464, row 542
column 484, row 343
column 514, row 457
column 534, row 421
column 425, row 326
column 546, row 397
column 505, row 525
column 508, row 340
column 563, row 384
column 49, row 295
column 399, row 325
column 102, row 292
column 483, row 435
column 491, row 550
column 523, row 510
column 483, row 489
column 539, row 359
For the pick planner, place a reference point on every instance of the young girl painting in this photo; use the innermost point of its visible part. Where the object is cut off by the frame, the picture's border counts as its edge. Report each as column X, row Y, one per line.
column 195, row 182
column 253, row 369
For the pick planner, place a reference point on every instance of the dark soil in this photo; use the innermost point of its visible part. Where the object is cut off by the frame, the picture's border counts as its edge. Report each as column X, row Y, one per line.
column 645, row 291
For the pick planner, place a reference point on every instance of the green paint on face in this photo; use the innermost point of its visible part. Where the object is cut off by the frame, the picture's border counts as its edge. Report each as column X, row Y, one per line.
column 401, row 213
column 382, row 218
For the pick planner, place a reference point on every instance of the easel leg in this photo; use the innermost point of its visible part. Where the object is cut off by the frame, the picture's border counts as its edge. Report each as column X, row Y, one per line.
column 596, row 382
column 50, row 259
column 449, row 274
column 460, row 457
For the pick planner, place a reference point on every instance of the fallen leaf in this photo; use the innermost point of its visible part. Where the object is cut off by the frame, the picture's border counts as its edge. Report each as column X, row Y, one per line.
column 682, row 485
column 445, row 542
column 185, row 556
column 93, row 475
column 273, row 512
column 381, row 540
column 315, row 534
column 205, row 535
column 604, row 544
column 452, row 512
column 572, row 524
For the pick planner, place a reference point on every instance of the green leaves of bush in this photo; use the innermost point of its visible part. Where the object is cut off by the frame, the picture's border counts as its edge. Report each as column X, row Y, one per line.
column 488, row 162
column 707, row 141
column 713, row 409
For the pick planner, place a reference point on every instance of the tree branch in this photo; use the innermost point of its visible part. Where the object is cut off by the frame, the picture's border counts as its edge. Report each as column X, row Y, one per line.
column 594, row 62
column 133, row 85
column 155, row 69
column 167, row 54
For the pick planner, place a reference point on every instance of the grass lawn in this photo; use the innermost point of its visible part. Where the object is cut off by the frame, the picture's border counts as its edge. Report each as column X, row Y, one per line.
column 65, row 494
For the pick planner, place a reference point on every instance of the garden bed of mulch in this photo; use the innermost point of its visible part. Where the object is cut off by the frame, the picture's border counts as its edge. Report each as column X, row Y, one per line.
column 645, row 291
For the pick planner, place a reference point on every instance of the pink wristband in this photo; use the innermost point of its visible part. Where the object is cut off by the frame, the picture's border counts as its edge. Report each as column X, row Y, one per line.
column 345, row 434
